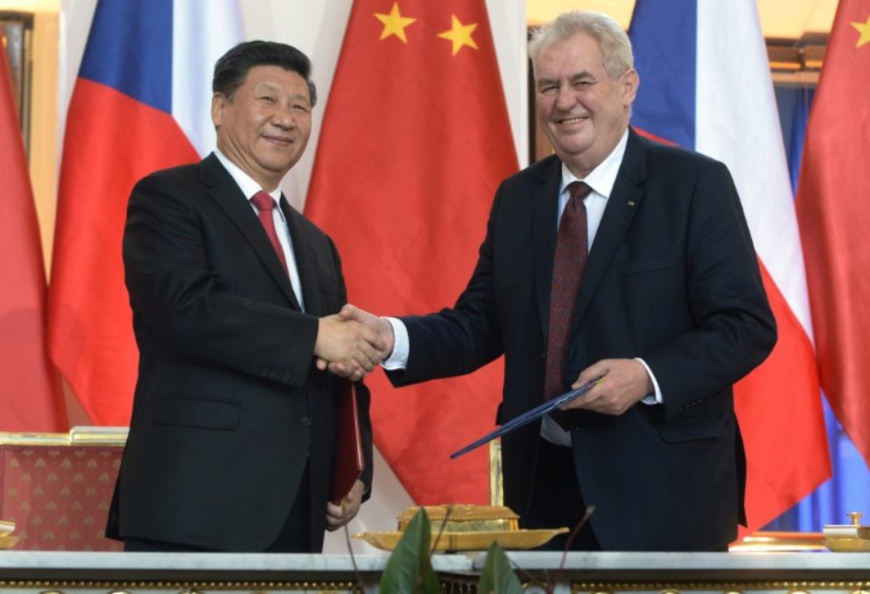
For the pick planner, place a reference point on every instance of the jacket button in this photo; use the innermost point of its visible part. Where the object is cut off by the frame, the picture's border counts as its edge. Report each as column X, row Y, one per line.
column 306, row 422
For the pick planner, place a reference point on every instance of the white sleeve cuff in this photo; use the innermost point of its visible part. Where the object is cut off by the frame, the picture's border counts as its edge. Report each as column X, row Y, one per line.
column 398, row 359
column 651, row 398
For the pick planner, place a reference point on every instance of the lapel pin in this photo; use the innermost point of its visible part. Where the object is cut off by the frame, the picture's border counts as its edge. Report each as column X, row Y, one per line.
column 631, row 203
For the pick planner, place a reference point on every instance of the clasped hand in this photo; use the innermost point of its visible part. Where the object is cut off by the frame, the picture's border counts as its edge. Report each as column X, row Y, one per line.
column 352, row 343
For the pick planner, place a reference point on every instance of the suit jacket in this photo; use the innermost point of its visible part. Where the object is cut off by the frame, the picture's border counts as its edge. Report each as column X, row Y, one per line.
column 672, row 278
column 229, row 407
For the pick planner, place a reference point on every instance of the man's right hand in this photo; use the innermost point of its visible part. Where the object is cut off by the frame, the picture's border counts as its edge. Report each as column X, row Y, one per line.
column 380, row 326
column 381, row 329
column 349, row 346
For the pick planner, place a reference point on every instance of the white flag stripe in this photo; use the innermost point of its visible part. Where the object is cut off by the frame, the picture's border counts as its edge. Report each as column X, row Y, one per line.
column 738, row 123
column 203, row 30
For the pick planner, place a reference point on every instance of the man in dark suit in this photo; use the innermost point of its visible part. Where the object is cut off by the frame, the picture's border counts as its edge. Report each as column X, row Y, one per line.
column 234, row 296
column 670, row 311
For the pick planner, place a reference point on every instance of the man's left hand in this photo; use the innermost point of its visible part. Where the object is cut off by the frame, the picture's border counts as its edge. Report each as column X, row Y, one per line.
column 625, row 382
column 339, row 515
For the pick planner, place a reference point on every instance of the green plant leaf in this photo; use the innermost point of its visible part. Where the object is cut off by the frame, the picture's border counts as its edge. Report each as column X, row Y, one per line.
column 498, row 576
column 409, row 569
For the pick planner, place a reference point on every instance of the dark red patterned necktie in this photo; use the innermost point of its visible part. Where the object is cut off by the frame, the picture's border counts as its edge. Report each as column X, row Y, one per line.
column 569, row 262
column 264, row 205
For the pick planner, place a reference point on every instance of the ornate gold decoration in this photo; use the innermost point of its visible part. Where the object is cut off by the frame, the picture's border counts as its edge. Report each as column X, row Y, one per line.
column 123, row 587
column 105, row 436
column 726, row 587
column 848, row 537
column 464, row 518
column 468, row 541
column 496, row 481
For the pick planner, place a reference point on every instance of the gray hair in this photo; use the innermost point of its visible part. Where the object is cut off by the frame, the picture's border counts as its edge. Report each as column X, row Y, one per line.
column 612, row 39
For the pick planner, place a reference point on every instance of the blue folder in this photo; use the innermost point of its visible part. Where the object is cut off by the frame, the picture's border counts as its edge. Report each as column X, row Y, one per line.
column 529, row 416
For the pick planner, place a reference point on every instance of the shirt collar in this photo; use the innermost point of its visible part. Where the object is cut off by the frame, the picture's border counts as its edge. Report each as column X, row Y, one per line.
column 245, row 182
column 602, row 178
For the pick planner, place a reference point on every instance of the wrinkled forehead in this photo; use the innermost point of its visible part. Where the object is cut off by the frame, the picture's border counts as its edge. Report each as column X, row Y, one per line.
column 579, row 52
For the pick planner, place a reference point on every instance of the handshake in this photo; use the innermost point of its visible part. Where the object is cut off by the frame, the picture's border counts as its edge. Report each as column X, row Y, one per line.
column 352, row 342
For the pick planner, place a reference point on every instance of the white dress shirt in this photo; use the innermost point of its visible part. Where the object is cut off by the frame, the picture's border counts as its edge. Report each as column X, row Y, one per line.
column 249, row 187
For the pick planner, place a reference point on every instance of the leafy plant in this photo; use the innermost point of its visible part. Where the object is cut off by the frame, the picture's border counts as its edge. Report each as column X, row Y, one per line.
column 409, row 569
column 498, row 576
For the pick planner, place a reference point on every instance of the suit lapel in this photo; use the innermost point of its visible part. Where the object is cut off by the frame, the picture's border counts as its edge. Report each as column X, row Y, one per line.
column 544, row 238
column 227, row 194
column 305, row 260
column 621, row 206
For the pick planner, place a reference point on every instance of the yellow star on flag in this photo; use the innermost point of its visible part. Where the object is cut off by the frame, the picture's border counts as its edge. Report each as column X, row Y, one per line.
column 460, row 35
column 864, row 29
column 394, row 23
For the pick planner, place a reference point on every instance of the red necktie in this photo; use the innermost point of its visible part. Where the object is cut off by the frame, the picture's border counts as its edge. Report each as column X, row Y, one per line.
column 569, row 262
column 264, row 205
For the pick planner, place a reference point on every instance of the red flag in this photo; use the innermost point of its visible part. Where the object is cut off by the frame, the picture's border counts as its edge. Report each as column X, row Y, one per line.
column 28, row 399
column 833, row 213
column 415, row 140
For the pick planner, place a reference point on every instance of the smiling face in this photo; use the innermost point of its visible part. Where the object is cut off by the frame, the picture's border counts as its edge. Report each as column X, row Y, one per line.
column 264, row 127
column 583, row 111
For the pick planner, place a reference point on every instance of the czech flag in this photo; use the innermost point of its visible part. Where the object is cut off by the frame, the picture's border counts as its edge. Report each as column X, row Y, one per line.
column 141, row 103
column 706, row 85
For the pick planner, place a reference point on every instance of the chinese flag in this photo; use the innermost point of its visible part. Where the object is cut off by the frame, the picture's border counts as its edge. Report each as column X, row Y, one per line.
column 833, row 213
column 28, row 400
column 415, row 140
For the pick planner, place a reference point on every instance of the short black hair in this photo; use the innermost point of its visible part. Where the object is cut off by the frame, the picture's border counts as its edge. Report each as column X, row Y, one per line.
column 232, row 68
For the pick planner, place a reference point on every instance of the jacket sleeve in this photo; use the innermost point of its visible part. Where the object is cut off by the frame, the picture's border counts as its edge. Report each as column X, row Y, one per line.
column 733, row 328
column 457, row 340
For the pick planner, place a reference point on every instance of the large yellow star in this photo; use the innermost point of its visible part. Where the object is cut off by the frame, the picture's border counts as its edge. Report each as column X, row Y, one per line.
column 864, row 29
column 394, row 23
column 460, row 35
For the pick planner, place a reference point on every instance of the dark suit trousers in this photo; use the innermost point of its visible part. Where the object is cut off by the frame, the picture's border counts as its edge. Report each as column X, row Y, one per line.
column 557, row 500
column 295, row 536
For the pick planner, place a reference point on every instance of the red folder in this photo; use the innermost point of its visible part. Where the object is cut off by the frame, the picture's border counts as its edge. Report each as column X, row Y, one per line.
column 349, row 460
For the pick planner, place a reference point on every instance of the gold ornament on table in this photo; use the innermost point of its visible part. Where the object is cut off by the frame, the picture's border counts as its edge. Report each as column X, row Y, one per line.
column 848, row 537
column 466, row 528
column 7, row 541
